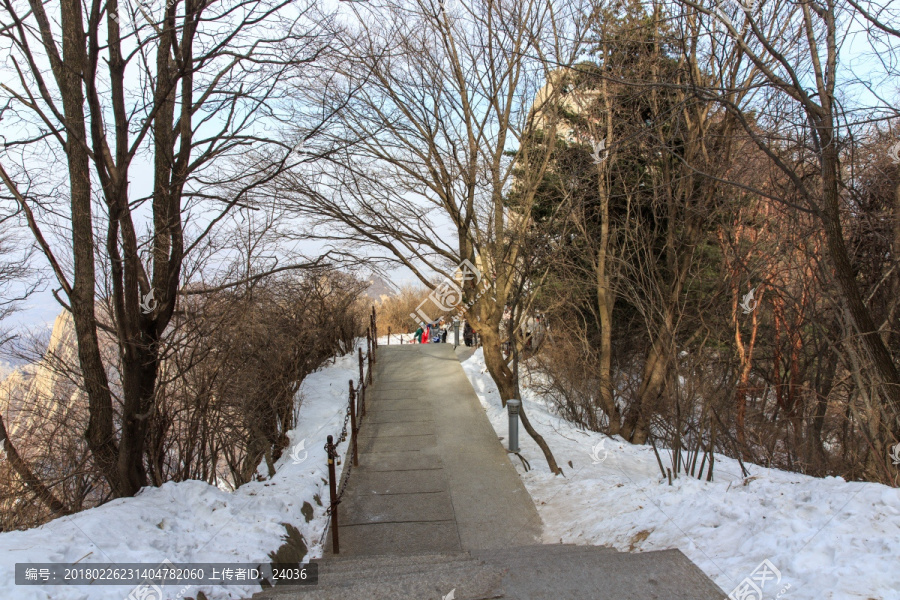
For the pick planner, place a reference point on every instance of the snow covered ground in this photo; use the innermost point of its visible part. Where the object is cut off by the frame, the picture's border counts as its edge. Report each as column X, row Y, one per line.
column 193, row 522
column 827, row 538
column 823, row 538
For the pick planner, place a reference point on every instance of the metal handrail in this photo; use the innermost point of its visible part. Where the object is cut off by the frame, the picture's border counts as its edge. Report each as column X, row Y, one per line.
column 356, row 410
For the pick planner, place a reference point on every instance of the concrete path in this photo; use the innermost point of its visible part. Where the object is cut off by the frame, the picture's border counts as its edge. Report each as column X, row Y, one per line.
column 435, row 509
column 432, row 474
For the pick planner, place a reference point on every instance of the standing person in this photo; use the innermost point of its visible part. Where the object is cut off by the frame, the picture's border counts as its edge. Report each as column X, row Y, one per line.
column 425, row 334
column 468, row 334
column 418, row 336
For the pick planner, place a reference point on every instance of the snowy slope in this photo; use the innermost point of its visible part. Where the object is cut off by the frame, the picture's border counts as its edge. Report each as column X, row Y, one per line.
column 827, row 538
column 195, row 522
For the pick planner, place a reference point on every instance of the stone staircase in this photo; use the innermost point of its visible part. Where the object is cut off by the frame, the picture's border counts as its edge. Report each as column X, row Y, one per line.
column 539, row 572
column 436, row 511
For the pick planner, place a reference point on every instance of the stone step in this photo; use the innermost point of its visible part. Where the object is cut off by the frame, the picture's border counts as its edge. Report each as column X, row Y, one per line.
column 539, row 552
column 535, row 572
column 602, row 574
column 361, row 563
column 467, row 579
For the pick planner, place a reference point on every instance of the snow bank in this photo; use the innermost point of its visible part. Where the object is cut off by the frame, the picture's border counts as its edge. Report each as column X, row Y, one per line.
column 828, row 538
column 195, row 522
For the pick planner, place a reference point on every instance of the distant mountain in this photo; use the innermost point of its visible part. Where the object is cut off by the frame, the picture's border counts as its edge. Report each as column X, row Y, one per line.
column 6, row 370
column 379, row 289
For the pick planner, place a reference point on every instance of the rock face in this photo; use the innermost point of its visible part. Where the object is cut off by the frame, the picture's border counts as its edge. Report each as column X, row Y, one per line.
column 40, row 389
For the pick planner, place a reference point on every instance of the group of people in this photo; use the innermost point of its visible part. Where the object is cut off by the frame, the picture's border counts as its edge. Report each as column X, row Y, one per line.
column 436, row 333
column 432, row 333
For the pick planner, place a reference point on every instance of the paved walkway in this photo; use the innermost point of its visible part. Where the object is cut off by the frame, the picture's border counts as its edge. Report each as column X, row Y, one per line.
column 432, row 474
column 436, row 510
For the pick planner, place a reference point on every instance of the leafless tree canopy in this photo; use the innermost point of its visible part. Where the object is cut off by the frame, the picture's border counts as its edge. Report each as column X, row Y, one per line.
column 696, row 202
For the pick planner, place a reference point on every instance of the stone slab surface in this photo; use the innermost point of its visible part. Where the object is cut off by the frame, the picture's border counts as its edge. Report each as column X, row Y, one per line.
column 399, row 428
column 381, row 538
column 365, row 509
column 399, row 461
column 397, row 443
column 407, row 481
column 542, row 572
column 398, row 416
column 428, row 454
column 435, row 509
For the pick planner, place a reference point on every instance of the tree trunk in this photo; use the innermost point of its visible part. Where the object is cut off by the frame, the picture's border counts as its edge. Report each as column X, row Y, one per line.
column 506, row 381
column 825, row 381
column 100, row 435
column 496, row 364
column 21, row 468
column 637, row 425
column 837, row 250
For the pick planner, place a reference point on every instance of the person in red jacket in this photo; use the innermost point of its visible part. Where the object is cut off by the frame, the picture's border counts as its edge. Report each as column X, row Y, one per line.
column 425, row 334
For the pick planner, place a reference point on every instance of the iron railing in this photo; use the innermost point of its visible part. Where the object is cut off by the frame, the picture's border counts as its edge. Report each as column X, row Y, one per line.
column 356, row 410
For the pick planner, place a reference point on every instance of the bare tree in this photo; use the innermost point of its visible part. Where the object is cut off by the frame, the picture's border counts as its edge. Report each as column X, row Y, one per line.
column 433, row 137
column 787, row 60
column 132, row 133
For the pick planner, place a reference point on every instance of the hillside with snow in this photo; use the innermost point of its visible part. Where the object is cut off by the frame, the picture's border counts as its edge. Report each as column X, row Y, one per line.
column 194, row 522
column 827, row 538
column 824, row 538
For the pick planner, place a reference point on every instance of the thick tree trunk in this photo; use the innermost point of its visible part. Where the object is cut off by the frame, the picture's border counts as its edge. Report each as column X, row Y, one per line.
column 837, row 250
column 100, row 435
column 824, row 383
column 506, row 381
column 496, row 364
column 606, row 395
column 636, row 428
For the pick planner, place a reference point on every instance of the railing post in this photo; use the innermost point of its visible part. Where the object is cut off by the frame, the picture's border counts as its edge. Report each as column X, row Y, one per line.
column 374, row 327
column 353, row 427
column 362, row 401
column 369, row 340
column 362, row 386
column 332, row 490
column 389, row 335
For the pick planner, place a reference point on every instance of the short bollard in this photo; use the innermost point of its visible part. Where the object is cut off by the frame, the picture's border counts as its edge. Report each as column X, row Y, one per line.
column 512, row 406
